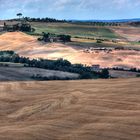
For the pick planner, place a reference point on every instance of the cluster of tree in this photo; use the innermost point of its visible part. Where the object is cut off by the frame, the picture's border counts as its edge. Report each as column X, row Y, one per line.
column 40, row 78
column 64, row 38
column 105, row 74
column 99, row 40
column 10, row 53
column 24, row 27
column 61, row 65
column 48, row 37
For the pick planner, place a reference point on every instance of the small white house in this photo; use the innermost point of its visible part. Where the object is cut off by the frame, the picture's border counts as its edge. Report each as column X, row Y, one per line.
column 95, row 68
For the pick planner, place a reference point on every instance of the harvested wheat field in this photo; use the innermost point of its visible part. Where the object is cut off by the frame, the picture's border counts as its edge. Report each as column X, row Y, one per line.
column 28, row 46
column 72, row 110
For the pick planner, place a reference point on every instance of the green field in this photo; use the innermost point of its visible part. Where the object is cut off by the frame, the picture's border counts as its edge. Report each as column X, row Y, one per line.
column 74, row 30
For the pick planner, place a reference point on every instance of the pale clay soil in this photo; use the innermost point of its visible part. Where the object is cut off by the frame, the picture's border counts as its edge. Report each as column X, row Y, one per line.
column 28, row 46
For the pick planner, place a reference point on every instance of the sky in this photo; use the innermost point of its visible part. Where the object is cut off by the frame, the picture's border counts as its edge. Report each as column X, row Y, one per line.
column 71, row 9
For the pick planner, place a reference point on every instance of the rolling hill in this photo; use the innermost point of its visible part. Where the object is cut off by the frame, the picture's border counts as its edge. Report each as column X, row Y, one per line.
column 28, row 46
column 72, row 110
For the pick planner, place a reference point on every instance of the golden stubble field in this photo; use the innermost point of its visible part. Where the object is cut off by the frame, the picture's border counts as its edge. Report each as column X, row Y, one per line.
column 28, row 46
column 72, row 110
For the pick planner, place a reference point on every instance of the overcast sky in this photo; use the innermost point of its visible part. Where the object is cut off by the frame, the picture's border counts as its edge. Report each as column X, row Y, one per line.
column 71, row 9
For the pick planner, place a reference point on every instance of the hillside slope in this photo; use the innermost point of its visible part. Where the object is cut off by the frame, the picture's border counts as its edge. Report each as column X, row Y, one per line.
column 130, row 33
column 26, row 74
column 28, row 46
column 73, row 110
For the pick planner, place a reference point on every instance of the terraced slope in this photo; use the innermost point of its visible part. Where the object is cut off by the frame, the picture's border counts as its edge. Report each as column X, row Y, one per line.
column 73, row 110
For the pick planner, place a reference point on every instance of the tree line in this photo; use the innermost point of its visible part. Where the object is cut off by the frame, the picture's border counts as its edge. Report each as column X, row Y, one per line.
column 60, row 64
column 131, row 69
column 97, row 23
column 105, row 24
column 29, row 19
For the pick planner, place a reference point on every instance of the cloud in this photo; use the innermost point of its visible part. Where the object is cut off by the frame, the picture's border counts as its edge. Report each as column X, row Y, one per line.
column 62, row 4
column 9, row 8
column 113, row 4
column 84, row 4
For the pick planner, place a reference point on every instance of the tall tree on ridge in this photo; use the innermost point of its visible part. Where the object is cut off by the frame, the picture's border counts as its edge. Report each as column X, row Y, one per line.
column 19, row 15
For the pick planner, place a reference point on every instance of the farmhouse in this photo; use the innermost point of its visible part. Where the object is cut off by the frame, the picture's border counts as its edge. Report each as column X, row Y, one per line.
column 48, row 37
column 95, row 68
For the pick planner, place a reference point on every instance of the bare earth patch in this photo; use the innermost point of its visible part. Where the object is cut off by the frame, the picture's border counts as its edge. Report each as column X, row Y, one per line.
column 28, row 46
column 120, row 58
